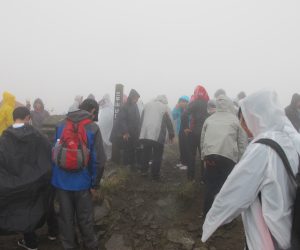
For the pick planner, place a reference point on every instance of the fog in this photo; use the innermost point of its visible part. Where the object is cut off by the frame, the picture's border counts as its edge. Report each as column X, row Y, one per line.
column 57, row 49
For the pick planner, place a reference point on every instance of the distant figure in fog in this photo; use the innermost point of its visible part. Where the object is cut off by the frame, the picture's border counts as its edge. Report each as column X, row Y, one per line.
column 77, row 101
column 39, row 114
column 293, row 111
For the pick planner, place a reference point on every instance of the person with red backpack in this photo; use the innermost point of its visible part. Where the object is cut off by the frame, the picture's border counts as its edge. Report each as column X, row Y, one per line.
column 78, row 163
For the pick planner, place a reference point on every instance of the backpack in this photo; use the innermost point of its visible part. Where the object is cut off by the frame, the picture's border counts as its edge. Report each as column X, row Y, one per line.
column 296, row 181
column 71, row 152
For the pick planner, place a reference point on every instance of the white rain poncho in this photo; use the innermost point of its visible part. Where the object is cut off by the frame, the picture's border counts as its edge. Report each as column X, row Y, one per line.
column 77, row 101
column 105, row 121
column 260, row 171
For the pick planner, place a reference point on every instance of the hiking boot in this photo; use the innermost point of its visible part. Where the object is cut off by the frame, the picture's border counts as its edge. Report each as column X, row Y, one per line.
column 178, row 165
column 51, row 237
column 23, row 244
column 182, row 167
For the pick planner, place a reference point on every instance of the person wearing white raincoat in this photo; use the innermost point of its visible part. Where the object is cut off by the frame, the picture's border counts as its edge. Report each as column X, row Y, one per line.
column 267, row 220
column 106, row 120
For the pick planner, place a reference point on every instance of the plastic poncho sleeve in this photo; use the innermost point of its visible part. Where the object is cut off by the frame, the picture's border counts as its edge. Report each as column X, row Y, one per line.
column 239, row 191
column 98, row 159
column 242, row 141
column 202, row 139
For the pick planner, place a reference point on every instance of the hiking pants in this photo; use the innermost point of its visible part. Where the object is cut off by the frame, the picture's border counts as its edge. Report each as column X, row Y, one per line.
column 51, row 216
column 193, row 142
column 183, row 148
column 79, row 204
column 152, row 150
column 130, row 151
column 217, row 169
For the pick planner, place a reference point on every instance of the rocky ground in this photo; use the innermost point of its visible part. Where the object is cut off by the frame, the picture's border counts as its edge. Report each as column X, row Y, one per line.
column 132, row 212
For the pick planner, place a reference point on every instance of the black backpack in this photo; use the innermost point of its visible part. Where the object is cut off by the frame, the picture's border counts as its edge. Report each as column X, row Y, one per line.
column 296, row 180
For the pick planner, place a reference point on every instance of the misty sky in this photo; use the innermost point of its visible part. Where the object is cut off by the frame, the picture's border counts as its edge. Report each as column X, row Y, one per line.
column 56, row 49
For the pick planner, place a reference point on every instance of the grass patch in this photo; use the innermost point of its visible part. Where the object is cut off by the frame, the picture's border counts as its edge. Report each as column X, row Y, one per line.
column 187, row 191
column 115, row 182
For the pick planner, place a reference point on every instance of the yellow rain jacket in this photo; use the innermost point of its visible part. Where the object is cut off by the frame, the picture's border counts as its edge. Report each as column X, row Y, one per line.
column 6, row 111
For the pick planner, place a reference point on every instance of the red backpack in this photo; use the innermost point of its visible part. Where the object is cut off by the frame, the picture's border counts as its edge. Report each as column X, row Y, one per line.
column 71, row 152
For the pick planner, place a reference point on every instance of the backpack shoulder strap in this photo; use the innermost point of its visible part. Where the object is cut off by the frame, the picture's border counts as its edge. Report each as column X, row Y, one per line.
column 278, row 149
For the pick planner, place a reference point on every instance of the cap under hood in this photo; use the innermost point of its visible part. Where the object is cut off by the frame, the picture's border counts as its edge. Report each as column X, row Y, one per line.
column 162, row 98
column 225, row 104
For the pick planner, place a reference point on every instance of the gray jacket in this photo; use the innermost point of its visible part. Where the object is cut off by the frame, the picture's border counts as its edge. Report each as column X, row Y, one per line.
column 222, row 134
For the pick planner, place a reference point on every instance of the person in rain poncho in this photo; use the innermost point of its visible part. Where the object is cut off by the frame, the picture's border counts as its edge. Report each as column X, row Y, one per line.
column 259, row 187
column 126, row 128
column 77, row 101
column 223, row 141
column 192, row 121
column 25, row 168
column 6, row 111
column 176, row 114
column 106, row 120
column 293, row 111
column 39, row 114
column 156, row 121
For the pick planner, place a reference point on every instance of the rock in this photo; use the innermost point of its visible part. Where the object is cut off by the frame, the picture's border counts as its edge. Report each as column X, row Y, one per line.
column 100, row 212
column 162, row 203
column 154, row 226
column 193, row 228
column 116, row 242
column 100, row 234
column 139, row 202
column 148, row 237
column 181, row 237
column 140, row 232
column 201, row 248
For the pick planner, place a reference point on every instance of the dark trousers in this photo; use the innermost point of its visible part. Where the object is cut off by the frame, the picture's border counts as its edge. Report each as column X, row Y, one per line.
column 183, row 148
column 193, row 142
column 130, row 147
column 79, row 204
column 152, row 150
column 217, row 169
column 51, row 216
column 116, row 150
column 30, row 240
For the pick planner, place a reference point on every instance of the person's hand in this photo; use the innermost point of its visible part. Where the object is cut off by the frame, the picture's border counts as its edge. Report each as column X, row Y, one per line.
column 187, row 131
column 171, row 140
column 126, row 137
column 93, row 192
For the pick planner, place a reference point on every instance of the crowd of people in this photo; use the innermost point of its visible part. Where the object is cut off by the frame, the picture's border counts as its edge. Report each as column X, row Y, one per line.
column 241, row 175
